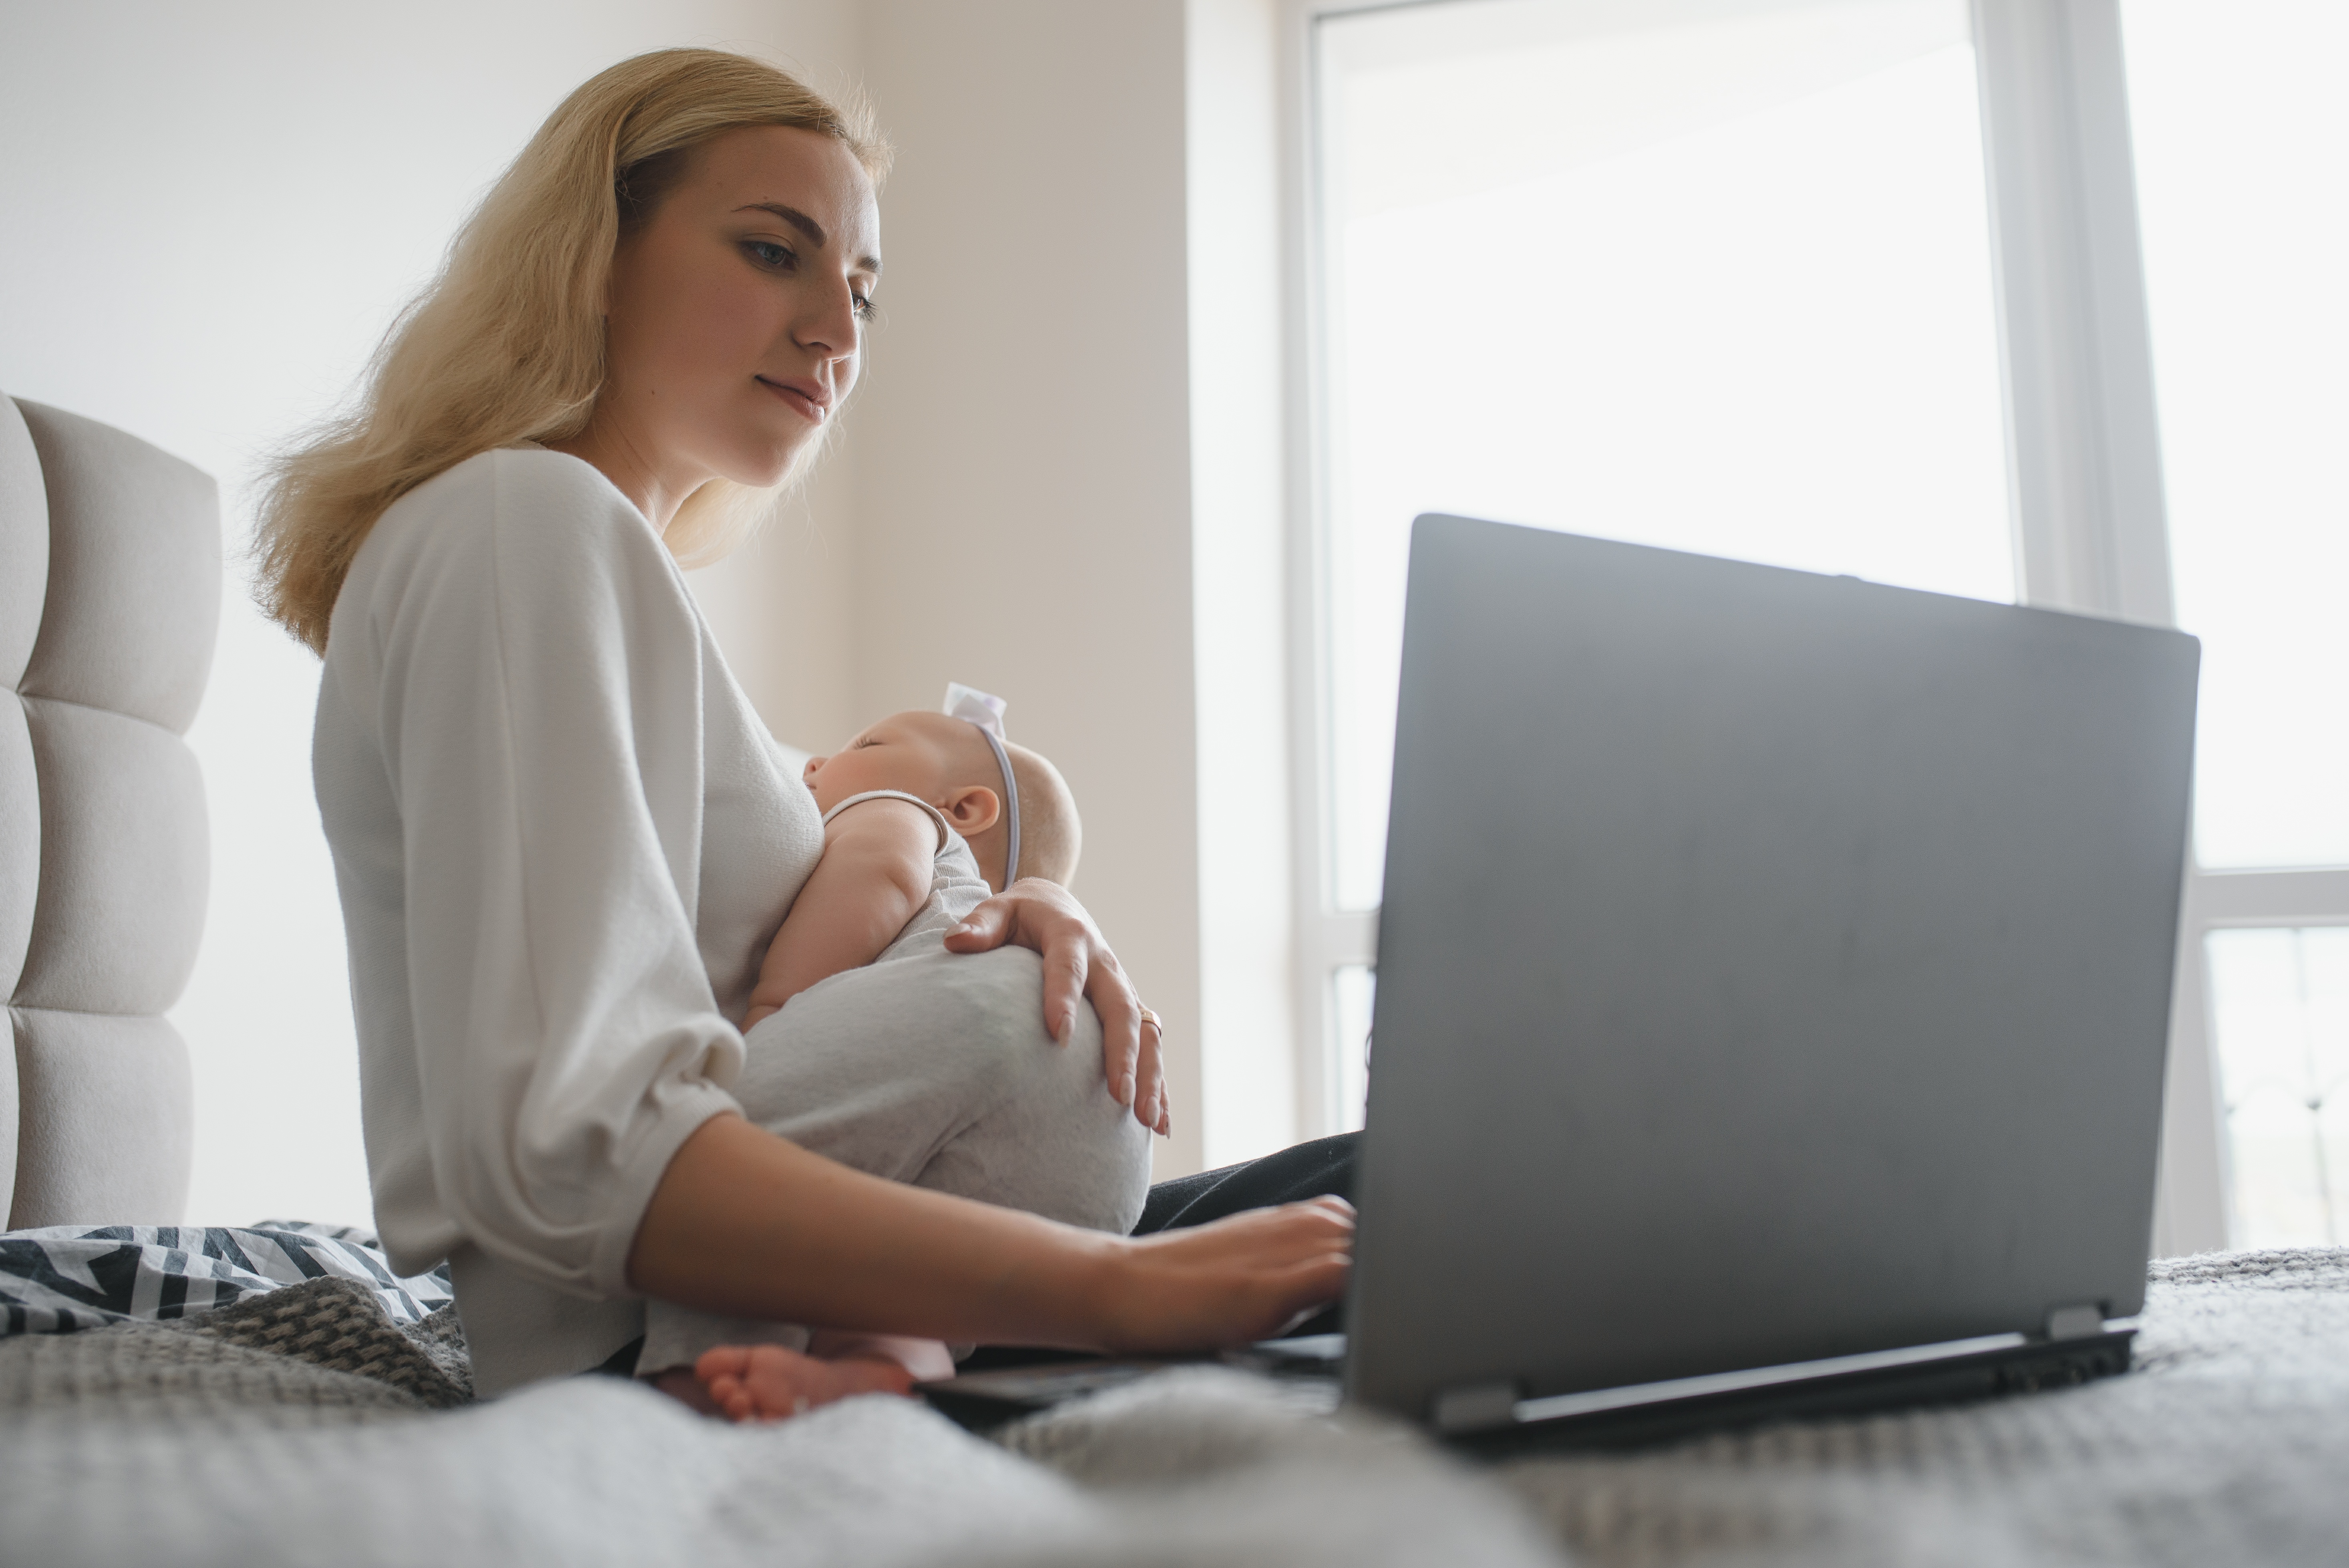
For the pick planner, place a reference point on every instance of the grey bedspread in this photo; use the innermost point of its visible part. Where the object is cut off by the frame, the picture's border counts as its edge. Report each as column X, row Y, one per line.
column 2229, row 1445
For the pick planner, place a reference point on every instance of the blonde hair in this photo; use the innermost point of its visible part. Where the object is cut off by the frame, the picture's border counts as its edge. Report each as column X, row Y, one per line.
column 507, row 344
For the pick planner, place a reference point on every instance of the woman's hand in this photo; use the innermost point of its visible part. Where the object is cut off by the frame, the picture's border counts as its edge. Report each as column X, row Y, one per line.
column 1078, row 963
column 1245, row 1277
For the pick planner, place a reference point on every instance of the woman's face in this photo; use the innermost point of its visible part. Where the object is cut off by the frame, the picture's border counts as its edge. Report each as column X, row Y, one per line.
column 735, row 317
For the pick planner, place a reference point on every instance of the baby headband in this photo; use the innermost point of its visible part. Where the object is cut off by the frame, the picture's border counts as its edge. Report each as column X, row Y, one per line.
column 987, row 711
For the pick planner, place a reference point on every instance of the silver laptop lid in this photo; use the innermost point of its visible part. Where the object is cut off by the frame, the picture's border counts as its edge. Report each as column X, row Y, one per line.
column 1772, row 967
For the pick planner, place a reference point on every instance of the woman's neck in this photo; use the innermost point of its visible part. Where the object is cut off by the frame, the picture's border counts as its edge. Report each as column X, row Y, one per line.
column 630, row 467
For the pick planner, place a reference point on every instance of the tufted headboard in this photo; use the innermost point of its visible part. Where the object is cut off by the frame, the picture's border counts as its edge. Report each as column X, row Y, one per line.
column 110, row 604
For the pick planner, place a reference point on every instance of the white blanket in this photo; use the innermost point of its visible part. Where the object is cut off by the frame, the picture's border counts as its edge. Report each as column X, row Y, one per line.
column 2229, row 1445
column 1205, row 1468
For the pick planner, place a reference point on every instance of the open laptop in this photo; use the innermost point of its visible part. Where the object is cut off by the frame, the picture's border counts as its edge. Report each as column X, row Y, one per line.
column 1773, row 998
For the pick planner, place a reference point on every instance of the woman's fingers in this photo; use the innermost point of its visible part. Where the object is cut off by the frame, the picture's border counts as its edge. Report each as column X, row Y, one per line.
column 1078, row 967
column 1149, row 1067
column 1067, row 973
column 1305, row 1289
column 1042, row 916
column 1130, row 1053
column 984, row 928
column 1123, row 1043
column 1244, row 1277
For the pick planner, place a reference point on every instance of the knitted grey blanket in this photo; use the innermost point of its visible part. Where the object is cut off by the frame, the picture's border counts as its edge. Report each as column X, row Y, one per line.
column 321, row 1351
column 2229, row 1445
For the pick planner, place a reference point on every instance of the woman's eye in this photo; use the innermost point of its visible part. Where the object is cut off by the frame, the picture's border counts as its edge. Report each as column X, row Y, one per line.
column 864, row 307
column 768, row 253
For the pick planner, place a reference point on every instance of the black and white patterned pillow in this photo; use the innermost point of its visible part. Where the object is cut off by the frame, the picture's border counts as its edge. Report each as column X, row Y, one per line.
column 67, row 1277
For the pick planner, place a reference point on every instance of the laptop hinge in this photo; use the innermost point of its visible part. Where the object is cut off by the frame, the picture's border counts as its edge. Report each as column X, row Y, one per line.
column 1475, row 1407
column 2075, row 1322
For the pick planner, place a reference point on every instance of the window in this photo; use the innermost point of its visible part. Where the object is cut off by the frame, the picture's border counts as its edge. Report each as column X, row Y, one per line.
column 1855, row 285
column 1718, row 280
column 2239, row 125
column 2279, row 1006
column 1711, row 276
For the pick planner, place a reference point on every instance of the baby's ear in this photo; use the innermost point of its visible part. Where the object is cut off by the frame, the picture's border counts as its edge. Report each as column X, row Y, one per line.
column 972, row 810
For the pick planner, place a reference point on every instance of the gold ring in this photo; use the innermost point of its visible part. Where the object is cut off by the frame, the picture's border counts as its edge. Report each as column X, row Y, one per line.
column 1151, row 1018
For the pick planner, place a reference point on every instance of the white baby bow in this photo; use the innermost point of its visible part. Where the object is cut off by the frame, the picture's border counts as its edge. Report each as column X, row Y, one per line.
column 986, row 710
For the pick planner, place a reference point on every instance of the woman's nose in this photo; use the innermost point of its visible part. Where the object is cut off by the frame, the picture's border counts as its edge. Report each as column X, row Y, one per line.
column 832, row 327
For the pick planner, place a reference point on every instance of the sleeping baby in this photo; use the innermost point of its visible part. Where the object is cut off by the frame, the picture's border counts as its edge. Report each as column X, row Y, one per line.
column 966, row 814
column 888, row 1039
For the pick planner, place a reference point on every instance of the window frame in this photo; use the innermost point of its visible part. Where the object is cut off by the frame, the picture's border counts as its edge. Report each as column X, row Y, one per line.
column 2085, row 503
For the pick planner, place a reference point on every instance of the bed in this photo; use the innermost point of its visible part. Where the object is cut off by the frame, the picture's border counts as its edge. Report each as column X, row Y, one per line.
column 277, row 1395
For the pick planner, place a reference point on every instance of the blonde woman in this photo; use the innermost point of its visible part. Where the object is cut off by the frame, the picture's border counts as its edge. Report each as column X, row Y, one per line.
column 563, row 838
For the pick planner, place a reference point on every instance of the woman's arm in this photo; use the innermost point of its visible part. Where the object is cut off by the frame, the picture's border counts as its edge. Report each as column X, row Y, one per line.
column 524, row 670
column 747, row 1225
column 1078, row 965
column 875, row 872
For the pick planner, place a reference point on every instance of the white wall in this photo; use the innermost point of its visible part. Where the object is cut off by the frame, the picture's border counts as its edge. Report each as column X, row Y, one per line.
column 1023, row 472
column 208, row 214
column 211, row 215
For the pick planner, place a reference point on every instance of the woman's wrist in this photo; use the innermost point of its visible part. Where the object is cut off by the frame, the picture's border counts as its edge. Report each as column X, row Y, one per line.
column 1078, row 1291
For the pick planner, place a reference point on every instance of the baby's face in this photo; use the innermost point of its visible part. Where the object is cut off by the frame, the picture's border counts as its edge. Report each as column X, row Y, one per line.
column 920, row 753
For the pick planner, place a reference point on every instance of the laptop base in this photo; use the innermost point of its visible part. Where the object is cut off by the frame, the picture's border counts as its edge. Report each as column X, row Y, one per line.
column 1307, row 1371
column 1000, row 1386
column 1958, row 1379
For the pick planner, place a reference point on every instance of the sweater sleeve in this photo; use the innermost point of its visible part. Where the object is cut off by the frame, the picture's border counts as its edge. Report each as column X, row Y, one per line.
column 540, row 692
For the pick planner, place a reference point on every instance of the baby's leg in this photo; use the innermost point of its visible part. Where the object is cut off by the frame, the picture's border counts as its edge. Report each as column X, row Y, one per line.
column 934, row 1070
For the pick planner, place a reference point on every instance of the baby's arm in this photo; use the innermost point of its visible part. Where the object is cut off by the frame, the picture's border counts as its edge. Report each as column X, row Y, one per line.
column 874, row 875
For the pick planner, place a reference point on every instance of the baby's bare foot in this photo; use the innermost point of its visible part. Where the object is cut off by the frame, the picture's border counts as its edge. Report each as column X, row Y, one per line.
column 769, row 1383
column 680, row 1384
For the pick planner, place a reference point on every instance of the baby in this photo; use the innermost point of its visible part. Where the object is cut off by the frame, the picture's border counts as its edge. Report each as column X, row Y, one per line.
column 925, row 815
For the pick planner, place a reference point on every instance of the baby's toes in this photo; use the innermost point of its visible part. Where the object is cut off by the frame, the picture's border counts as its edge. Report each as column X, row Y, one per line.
column 722, row 1361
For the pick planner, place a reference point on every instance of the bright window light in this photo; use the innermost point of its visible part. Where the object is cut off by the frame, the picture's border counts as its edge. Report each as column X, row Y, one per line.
column 2242, row 131
column 1709, row 275
column 2281, row 1002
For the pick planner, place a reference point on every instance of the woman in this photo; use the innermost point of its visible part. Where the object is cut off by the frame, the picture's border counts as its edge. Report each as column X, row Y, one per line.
column 562, row 837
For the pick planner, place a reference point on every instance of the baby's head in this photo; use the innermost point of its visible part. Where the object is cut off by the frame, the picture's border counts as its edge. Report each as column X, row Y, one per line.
column 947, row 762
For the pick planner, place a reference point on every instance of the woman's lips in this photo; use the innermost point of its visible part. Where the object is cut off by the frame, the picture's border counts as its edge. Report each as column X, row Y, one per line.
column 805, row 397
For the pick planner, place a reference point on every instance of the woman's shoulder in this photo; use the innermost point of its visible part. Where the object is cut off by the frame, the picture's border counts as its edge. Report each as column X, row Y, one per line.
column 523, row 512
column 516, row 525
column 526, row 489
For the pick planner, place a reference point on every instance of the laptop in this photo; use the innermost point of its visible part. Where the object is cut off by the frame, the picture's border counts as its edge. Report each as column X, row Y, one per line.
column 1773, row 1000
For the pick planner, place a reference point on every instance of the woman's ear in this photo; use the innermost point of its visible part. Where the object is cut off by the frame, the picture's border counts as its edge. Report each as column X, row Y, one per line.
column 972, row 810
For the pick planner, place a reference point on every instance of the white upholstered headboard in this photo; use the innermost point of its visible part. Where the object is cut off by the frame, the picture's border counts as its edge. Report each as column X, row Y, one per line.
column 110, row 604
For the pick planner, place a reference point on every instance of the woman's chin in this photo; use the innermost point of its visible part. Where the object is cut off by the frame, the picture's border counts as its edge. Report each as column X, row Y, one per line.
column 763, row 465
column 759, row 475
